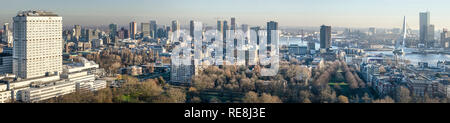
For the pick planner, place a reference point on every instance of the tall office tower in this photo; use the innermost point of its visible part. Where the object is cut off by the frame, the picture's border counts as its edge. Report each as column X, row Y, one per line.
column 224, row 34
column 219, row 26
column 153, row 28
column 225, row 29
column 113, row 31
column 175, row 25
column 248, row 49
column 430, row 40
column 325, row 37
column 38, row 46
column 271, row 26
column 133, row 30
column 77, row 32
column 191, row 28
column 233, row 24
column 145, row 29
column 424, row 25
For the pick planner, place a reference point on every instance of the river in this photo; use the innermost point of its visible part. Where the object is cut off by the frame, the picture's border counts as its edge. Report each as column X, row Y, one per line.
column 432, row 59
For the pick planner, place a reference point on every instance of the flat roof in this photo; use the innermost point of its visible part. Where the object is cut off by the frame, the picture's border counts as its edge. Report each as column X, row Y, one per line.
column 35, row 13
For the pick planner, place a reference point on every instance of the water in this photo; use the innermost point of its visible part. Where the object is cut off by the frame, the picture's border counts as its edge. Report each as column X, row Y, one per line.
column 432, row 59
column 296, row 40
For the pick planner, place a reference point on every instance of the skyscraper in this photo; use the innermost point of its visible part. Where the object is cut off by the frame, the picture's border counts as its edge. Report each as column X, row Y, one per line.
column 424, row 27
column 219, row 26
column 224, row 34
column 430, row 40
column 191, row 28
column 38, row 46
column 225, row 29
column 77, row 32
column 233, row 23
column 153, row 28
column 325, row 37
column 168, row 32
column 175, row 25
column 113, row 31
column 444, row 36
column 133, row 30
column 145, row 29
column 271, row 26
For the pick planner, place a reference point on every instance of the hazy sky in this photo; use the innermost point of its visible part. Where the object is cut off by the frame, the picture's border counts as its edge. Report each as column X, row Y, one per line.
column 342, row 13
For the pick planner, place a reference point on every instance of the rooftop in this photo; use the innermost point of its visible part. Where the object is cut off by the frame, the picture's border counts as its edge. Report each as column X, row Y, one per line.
column 35, row 13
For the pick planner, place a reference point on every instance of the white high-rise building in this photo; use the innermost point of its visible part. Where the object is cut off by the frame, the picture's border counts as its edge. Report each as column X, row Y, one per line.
column 38, row 44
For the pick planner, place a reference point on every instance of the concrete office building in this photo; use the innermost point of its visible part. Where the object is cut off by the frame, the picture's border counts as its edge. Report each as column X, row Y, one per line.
column 77, row 32
column 38, row 44
column 426, row 33
column 175, row 25
column 153, row 28
column 145, row 29
column 325, row 37
column 133, row 30
column 219, row 26
column 233, row 24
column 271, row 26
column 37, row 62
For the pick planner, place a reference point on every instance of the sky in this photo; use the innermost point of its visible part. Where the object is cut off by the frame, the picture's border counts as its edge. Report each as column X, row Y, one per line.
column 339, row 13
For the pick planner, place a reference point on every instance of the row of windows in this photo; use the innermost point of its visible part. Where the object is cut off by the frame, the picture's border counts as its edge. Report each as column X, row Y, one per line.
column 44, row 21
column 44, row 30
column 42, row 70
column 39, row 37
column 44, row 25
column 40, row 54
column 47, row 57
column 44, row 39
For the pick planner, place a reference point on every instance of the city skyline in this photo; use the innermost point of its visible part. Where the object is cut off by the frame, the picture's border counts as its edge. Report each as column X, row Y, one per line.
column 349, row 13
column 46, row 63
